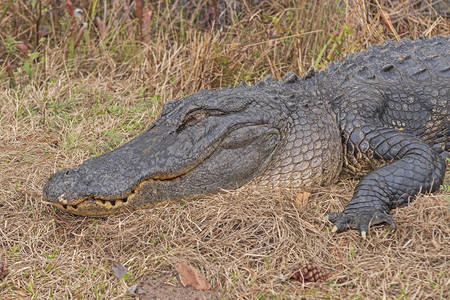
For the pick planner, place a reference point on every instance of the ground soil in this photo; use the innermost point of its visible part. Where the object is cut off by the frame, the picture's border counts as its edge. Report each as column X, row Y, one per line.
column 169, row 287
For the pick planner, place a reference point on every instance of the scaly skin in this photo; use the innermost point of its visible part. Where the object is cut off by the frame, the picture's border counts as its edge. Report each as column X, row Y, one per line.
column 385, row 110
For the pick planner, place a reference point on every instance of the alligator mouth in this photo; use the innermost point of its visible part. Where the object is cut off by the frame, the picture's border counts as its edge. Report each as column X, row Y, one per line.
column 97, row 206
column 90, row 202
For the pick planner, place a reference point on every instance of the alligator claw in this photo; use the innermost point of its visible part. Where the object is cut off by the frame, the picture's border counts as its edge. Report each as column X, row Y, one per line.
column 334, row 229
column 361, row 221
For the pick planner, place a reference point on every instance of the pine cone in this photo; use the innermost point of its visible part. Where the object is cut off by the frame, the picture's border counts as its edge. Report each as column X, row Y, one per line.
column 311, row 273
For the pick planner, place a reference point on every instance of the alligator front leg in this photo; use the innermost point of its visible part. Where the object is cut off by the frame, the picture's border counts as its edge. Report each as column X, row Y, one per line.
column 414, row 168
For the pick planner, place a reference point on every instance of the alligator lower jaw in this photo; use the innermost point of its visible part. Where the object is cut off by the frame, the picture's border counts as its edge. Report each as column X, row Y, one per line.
column 98, row 207
column 91, row 206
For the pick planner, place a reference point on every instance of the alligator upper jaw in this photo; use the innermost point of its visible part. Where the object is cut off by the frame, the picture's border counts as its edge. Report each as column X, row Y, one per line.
column 90, row 205
column 146, row 194
column 105, row 205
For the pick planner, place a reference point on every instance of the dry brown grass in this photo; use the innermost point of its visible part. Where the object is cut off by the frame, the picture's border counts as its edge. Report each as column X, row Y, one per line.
column 65, row 111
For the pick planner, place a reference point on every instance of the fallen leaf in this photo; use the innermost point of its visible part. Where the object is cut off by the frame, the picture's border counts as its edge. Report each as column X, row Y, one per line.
column 3, row 270
column 23, row 48
column 386, row 22
column 101, row 27
column 119, row 270
column 191, row 276
column 301, row 200
column 109, row 86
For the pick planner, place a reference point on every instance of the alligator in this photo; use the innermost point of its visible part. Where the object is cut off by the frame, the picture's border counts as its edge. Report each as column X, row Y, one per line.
column 383, row 114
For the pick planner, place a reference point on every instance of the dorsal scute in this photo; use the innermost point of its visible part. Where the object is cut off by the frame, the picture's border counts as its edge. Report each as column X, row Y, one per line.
column 291, row 77
column 309, row 74
column 269, row 79
column 242, row 85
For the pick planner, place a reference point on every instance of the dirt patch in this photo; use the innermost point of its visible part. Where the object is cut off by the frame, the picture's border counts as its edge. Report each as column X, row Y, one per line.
column 168, row 286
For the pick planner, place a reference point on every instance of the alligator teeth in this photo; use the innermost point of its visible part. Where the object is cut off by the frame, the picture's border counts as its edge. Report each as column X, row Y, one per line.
column 62, row 200
column 101, row 202
column 111, row 203
column 334, row 229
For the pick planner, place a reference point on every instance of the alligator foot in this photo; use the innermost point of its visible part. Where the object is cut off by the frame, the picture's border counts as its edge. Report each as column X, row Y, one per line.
column 359, row 220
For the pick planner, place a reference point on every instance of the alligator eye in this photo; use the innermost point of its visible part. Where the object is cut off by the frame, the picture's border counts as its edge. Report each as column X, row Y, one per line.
column 197, row 115
column 194, row 116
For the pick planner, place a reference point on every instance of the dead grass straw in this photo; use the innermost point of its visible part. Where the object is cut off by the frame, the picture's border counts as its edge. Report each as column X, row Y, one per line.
column 61, row 111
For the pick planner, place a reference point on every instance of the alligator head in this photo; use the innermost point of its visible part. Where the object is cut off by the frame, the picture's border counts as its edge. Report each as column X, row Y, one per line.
column 205, row 142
